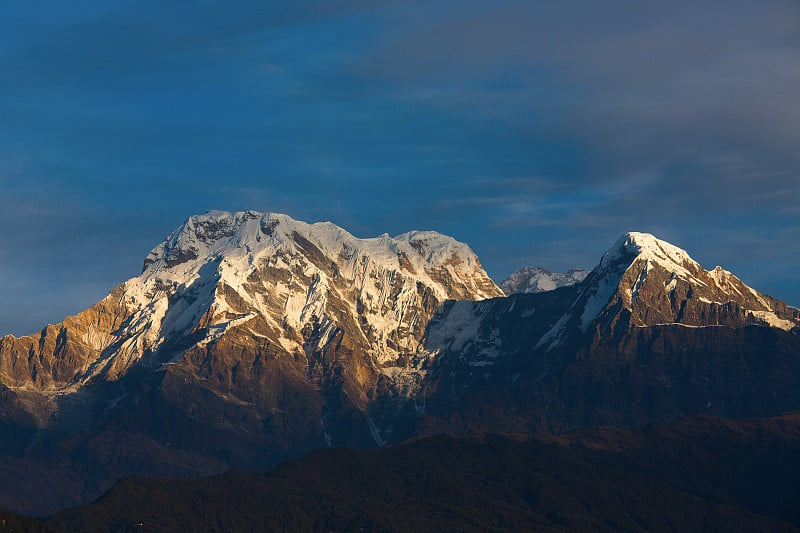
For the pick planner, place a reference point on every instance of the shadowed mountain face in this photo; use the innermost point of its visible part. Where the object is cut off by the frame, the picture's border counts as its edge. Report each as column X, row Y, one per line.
column 702, row 474
column 251, row 338
column 662, row 374
column 648, row 335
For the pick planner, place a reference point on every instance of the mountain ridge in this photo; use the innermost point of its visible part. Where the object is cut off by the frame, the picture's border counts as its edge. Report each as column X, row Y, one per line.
column 209, row 259
column 539, row 279
column 600, row 480
column 250, row 338
column 647, row 282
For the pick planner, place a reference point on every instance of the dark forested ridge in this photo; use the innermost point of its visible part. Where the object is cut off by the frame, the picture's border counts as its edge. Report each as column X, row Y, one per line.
column 21, row 524
column 702, row 473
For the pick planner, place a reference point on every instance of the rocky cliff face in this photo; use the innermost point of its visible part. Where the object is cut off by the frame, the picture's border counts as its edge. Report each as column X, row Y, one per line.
column 642, row 281
column 251, row 305
column 648, row 335
column 294, row 286
column 657, row 283
column 61, row 355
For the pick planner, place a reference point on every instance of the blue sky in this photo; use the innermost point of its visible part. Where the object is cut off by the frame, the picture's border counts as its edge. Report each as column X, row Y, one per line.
column 537, row 132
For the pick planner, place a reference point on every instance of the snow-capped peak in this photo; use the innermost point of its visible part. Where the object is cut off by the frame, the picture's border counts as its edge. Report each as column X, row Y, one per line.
column 218, row 234
column 646, row 246
column 650, row 282
column 286, row 280
column 538, row 279
column 657, row 281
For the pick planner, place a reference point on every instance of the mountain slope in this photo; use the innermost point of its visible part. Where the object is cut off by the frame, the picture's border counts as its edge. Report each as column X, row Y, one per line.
column 702, row 474
column 257, row 285
column 289, row 282
column 640, row 281
column 248, row 338
column 662, row 284
column 649, row 335
column 251, row 338
column 643, row 281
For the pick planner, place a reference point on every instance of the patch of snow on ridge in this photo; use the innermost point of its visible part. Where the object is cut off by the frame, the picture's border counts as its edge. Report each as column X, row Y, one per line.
column 461, row 327
column 639, row 281
column 598, row 299
column 459, row 330
column 773, row 320
column 671, row 285
column 555, row 335
column 760, row 298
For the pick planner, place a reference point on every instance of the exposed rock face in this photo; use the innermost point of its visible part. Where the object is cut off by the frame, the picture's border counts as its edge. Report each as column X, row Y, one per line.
column 293, row 284
column 250, row 338
column 661, row 284
column 649, row 335
column 62, row 354
column 642, row 281
column 265, row 279
column 538, row 279
column 257, row 336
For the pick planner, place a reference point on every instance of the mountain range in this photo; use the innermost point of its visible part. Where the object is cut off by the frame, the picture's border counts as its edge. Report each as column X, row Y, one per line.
column 251, row 338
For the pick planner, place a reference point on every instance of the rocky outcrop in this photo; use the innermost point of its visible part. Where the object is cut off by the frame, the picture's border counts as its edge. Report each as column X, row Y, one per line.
column 61, row 355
